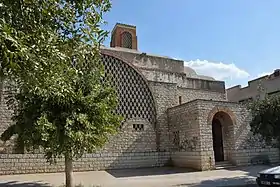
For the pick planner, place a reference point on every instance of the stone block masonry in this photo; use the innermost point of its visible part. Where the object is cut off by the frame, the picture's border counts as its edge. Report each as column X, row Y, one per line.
column 239, row 146
column 5, row 121
column 36, row 163
column 235, row 122
column 254, row 156
column 166, row 95
column 184, row 127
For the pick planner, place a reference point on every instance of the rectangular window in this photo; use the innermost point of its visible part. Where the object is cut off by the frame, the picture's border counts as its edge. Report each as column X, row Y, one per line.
column 138, row 127
column 180, row 100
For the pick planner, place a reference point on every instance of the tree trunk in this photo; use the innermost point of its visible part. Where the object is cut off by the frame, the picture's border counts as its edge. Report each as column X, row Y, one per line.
column 69, row 171
column 1, row 89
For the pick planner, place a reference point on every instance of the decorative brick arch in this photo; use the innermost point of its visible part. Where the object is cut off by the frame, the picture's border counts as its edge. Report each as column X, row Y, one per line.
column 124, row 60
column 225, row 110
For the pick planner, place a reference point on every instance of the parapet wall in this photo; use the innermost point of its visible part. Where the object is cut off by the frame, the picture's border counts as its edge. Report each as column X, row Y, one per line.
column 142, row 60
column 165, row 70
column 264, row 85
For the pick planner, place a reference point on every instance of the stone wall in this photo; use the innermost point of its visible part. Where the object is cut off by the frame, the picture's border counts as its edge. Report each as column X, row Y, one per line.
column 142, row 60
column 185, row 135
column 164, row 98
column 35, row 163
column 239, row 145
column 165, row 70
column 135, row 135
column 237, row 132
column 5, row 121
column 166, row 95
column 187, row 159
column 193, row 94
column 254, row 156
column 133, row 146
column 182, row 80
column 269, row 84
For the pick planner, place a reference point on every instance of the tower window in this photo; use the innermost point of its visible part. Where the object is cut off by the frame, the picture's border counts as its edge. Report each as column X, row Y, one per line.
column 127, row 40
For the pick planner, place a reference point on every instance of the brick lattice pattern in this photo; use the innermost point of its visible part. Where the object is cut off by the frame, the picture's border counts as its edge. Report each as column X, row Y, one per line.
column 134, row 97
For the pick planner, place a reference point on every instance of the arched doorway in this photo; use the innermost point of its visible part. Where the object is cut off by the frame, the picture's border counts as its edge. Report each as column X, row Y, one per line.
column 222, row 135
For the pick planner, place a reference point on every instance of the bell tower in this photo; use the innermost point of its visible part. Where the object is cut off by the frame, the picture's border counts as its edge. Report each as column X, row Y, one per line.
column 124, row 35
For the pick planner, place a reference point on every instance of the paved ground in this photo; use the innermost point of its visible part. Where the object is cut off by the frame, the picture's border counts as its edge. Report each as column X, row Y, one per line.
column 155, row 177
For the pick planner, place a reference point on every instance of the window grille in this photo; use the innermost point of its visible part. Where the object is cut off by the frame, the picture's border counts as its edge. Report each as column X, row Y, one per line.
column 127, row 40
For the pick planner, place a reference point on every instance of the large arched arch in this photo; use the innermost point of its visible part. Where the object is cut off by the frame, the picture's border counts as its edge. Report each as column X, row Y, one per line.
column 134, row 95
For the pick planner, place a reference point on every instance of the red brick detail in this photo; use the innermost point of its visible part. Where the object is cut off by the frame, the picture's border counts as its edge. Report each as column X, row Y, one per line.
column 116, row 39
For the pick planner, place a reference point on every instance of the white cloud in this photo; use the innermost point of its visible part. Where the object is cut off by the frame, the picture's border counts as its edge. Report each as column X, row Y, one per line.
column 218, row 70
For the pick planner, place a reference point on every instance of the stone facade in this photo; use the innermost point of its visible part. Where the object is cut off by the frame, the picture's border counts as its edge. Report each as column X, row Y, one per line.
column 168, row 110
column 5, row 121
column 268, row 85
column 194, row 121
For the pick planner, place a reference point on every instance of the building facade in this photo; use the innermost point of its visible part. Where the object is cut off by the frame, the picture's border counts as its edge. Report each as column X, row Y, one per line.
column 173, row 116
column 268, row 85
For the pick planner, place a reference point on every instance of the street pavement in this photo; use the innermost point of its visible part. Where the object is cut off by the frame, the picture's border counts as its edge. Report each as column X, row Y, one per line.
column 150, row 177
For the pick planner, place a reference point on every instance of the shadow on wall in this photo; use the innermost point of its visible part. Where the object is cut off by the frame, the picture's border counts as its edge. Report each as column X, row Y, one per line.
column 26, row 184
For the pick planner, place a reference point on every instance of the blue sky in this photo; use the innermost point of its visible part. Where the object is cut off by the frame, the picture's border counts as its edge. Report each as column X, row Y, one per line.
column 234, row 40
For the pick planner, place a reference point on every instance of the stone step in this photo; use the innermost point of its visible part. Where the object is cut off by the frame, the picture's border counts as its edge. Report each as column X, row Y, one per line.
column 223, row 165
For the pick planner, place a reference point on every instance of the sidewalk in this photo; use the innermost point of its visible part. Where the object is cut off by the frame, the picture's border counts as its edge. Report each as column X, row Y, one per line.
column 152, row 177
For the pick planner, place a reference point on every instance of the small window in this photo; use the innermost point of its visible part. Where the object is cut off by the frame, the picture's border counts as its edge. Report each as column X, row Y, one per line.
column 138, row 127
column 180, row 100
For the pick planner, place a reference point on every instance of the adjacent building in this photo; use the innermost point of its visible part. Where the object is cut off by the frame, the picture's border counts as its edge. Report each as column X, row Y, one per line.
column 268, row 85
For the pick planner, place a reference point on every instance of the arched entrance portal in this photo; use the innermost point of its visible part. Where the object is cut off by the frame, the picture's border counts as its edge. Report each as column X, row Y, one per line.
column 222, row 135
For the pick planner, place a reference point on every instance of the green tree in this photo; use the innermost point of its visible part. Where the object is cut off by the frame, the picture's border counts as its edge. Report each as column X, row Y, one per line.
column 63, row 102
column 266, row 119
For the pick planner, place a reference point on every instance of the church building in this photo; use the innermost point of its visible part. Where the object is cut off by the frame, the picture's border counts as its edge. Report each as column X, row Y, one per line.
column 173, row 117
